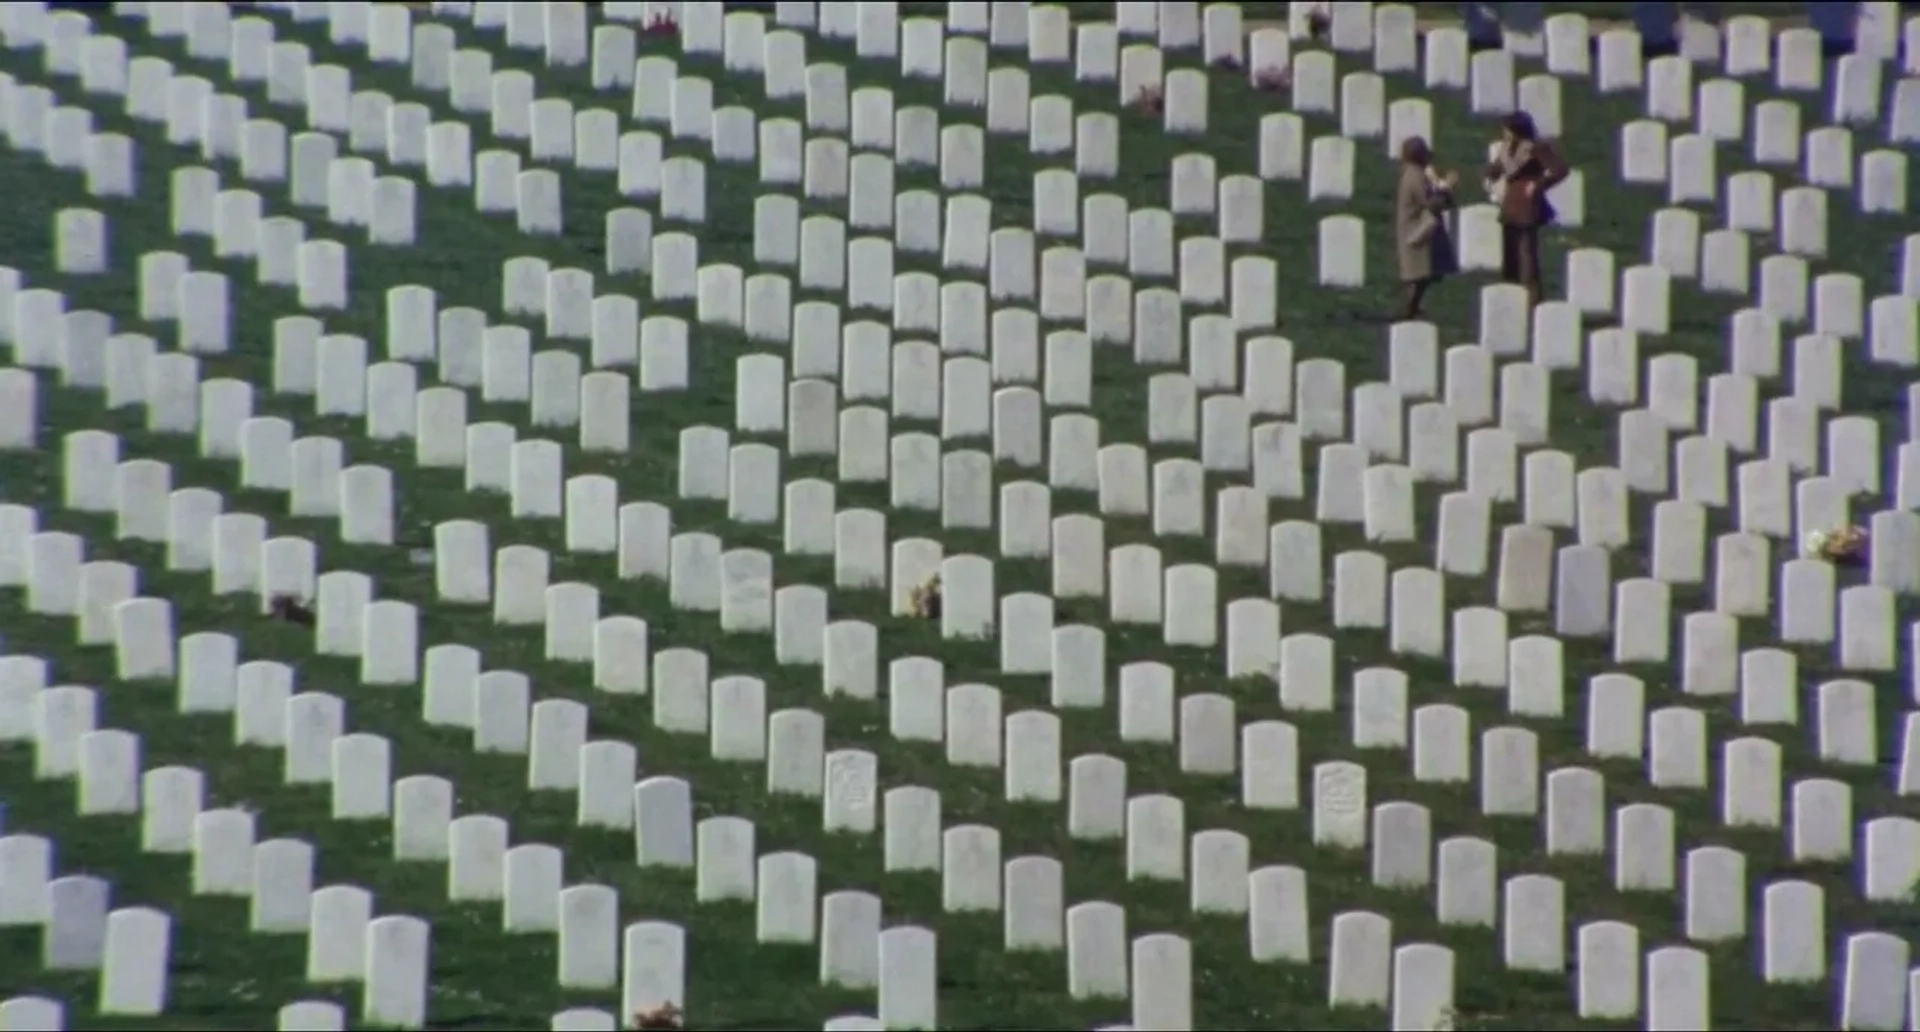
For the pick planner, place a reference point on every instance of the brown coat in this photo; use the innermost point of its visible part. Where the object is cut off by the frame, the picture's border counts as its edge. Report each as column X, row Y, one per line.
column 1415, row 196
column 1530, row 169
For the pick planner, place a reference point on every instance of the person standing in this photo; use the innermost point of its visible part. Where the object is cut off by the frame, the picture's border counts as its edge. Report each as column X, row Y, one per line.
column 1421, row 241
column 1523, row 169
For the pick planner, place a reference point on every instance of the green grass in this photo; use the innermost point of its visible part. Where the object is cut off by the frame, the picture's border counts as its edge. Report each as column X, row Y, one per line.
column 486, row 979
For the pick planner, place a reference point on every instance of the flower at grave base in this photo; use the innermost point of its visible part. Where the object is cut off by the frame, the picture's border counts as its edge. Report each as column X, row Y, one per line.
column 289, row 609
column 1227, row 63
column 925, row 599
column 665, row 1016
column 1845, row 544
column 1272, row 80
column 1319, row 21
column 1150, row 100
column 662, row 24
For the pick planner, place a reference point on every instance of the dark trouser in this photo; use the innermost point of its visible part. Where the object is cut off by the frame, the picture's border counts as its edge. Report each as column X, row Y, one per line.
column 1520, row 257
column 1416, row 293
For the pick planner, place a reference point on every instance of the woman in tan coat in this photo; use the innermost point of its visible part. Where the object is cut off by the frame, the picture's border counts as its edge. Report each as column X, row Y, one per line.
column 1421, row 241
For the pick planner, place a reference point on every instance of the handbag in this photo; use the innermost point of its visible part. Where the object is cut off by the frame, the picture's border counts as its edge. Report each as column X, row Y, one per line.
column 1425, row 224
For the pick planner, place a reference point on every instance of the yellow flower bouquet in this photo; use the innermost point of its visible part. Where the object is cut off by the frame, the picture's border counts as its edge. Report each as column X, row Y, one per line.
column 1846, row 545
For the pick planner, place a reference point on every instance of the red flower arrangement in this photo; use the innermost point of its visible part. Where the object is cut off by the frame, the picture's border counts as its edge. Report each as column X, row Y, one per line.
column 662, row 24
column 1150, row 100
column 1273, row 80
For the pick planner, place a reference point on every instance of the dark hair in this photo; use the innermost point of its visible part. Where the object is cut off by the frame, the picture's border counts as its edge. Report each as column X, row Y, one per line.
column 1414, row 151
column 1520, row 124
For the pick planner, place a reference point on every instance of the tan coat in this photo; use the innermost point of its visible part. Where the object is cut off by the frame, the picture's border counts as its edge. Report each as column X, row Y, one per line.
column 1433, row 258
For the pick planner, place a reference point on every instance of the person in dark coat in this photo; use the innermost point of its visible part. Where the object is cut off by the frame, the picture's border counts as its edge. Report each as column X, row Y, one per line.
column 1523, row 169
